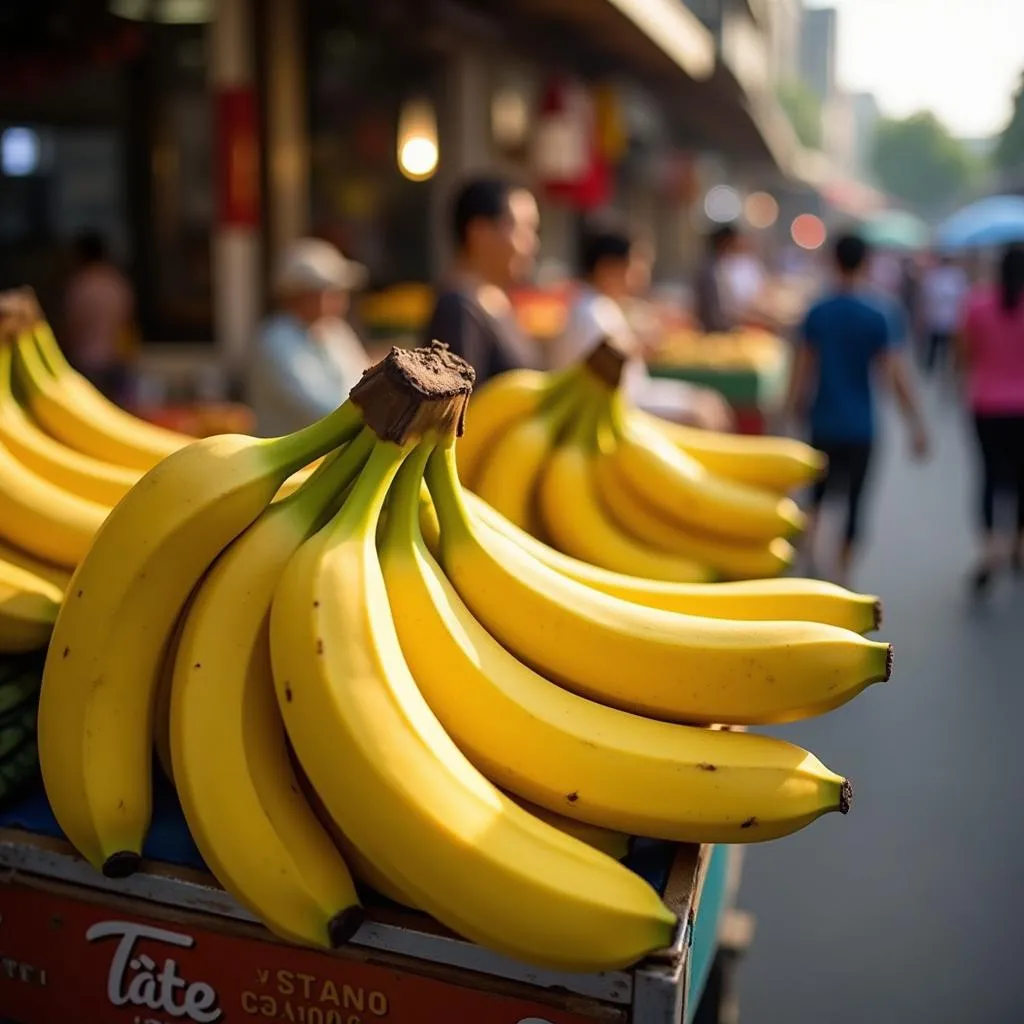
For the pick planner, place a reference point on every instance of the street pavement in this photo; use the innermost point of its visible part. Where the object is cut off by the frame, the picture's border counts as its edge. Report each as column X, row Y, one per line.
column 910, row 910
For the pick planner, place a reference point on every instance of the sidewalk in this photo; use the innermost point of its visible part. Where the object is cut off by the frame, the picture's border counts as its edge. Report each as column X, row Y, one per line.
column 911, row 910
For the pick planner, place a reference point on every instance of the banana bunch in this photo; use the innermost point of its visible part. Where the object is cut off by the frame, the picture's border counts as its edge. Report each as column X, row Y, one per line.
column 67, row 457
column 379, row 679
column 626, row 491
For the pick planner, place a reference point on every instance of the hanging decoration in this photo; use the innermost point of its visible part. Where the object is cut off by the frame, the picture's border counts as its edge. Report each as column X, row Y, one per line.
column 567, row 150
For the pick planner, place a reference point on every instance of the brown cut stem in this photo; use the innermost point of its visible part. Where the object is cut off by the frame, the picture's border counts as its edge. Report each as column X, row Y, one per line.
column 606, row 362
column 412, row 391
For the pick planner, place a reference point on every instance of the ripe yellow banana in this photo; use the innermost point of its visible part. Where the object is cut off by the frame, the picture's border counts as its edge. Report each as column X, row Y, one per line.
column 73, row 411
column 28, row 609
column 103, row 666
column 605, row 840
column 500, row 402
column 577, row 524
column 509, row 478
column 54, row 574
column 779, row 464
column 681, row 489
column 44, row 519
column 788, row 599
column 80, row 474
column 574, row 756
column 667, row 665
column 403, row 793
column 232, row 769
column 735, row 560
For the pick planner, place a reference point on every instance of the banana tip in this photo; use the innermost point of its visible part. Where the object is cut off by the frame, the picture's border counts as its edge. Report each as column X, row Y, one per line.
column 889, row 655
column 879, row 612
column 344, row 925
column 121, row 864
column 845, row 796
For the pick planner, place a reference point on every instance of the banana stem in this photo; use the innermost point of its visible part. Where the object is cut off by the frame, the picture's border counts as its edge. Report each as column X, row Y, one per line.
column 446, row 491
column 403, row 521
column 363, row 504
column 293, row 451
column 333, row 475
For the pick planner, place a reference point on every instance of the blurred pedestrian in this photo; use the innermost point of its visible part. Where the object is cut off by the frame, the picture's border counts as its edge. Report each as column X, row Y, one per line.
column 991, row 352
column 713, row 300
column 98, row 316
column 616, row 267
column 944, row 292
column 307, row 357
column 846, row 337
column 494, row 225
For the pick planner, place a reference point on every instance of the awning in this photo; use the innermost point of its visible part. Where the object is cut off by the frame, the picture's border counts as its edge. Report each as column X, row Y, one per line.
column 664, row 34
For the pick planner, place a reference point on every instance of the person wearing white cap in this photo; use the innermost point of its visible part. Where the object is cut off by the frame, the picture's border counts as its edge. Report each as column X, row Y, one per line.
column 307, row 356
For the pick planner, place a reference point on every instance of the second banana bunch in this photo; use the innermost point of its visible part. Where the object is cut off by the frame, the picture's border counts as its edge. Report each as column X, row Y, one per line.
column 380, row 678
column 627, row 491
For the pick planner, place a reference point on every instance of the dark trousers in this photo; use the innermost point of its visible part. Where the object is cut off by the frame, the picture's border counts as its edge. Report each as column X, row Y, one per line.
column 938, row 349
column 1001, row 442
column 847, row 470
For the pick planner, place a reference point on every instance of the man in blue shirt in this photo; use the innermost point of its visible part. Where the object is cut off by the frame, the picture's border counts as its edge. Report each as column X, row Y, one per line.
column 848, row 338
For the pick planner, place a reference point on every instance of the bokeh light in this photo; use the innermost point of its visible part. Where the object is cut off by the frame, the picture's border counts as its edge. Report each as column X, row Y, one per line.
column 761, row 210
column 808, row 231
column 722, row 204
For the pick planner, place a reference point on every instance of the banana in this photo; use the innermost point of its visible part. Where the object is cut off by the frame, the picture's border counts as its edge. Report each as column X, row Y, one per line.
column 80, row 474
column 232, row 769
column 666, row 665
column 28, row 609
column 573, row 518
column 679, row 487
column 779, row 464
column 45, row 520
column 736, row 560
column 403, row 793
column 54, row 574
column 571, row 755
column 508, row 479
column 103, row 666
column 70, row 409
column 804, row 600
column 494, row 408
column 605, row 840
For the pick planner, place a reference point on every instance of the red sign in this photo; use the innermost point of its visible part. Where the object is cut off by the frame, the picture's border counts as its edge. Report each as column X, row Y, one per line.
column 238, row 159
column 69, row 960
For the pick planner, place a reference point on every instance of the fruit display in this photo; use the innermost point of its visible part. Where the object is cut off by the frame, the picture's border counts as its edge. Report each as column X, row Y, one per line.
column 745, row 348
column 378, row 680
column 566, row 458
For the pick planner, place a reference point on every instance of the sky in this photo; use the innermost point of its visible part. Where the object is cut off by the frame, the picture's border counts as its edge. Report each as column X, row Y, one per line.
column 961, row 59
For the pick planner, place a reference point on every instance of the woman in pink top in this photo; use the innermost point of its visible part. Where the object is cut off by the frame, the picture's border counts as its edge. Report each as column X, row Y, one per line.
column 992, row 355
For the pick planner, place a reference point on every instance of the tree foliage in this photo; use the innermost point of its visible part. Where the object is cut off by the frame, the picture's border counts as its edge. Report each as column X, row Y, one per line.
column 803, row 108
column 1009, row 153
column 917, row 161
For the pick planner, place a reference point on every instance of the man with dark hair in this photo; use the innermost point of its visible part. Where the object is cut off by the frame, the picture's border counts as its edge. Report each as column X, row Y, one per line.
column 494, row 224
column 617, row 267
column 845, row 337
column 711, row 303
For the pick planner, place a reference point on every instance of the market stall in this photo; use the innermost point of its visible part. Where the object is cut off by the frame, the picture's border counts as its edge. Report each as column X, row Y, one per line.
column 76, row 946
column 327, row 733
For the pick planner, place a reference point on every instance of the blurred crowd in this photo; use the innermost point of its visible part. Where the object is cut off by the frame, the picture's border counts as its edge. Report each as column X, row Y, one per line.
column 867, row 317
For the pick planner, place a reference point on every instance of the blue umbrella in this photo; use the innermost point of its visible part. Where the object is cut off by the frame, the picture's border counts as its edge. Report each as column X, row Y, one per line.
column 997, row 220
